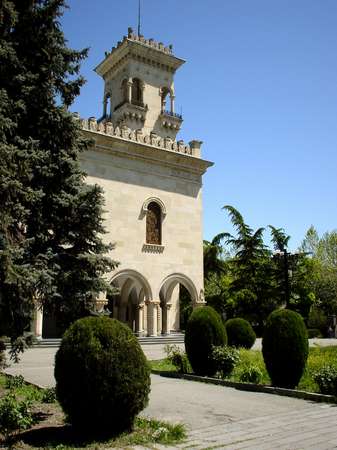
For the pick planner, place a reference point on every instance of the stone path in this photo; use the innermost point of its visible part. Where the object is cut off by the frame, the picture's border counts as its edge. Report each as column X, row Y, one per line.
column 219, row 417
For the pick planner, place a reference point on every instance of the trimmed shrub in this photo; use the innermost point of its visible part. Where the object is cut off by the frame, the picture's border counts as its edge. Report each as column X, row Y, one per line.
column 102, row 376
column 225, row 358
column 240, row 333
column 203, row 331
column 285, row 348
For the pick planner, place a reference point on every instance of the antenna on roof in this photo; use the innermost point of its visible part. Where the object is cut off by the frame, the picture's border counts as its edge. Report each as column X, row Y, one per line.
column 138, row 17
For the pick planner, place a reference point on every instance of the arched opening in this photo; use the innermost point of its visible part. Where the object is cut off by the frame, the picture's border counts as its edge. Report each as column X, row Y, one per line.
column 137, row 92
column 164, row 99
column 154, row 224
column 177, row 297
column 107, row 106
column 129, row 303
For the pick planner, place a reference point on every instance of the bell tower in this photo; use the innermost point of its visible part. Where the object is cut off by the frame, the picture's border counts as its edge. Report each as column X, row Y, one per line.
column 138, row 79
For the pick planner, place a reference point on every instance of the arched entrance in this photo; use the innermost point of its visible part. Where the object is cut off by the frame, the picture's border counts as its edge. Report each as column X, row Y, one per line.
column 177, row 294
column 130, row 303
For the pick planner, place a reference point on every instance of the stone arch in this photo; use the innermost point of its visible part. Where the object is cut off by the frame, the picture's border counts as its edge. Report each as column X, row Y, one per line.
column 165, row 94
column 154, row 200
column 136, row 276
column 171, row 281
column 170, row 302
column 130, row 305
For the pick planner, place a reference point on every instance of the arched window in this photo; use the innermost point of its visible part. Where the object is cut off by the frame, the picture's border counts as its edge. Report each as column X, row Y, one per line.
column 164, row 95
column 153, row 224
column 136, row 93
column 107, row 106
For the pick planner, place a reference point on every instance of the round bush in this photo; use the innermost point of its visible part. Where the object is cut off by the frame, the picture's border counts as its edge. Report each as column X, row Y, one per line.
column 240, row 333
column 203, row 331
column 102, row 376
column 285, row 348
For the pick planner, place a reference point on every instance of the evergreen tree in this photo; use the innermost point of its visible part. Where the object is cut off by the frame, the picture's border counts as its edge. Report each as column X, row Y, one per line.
column 51, row 248
column 253, row 286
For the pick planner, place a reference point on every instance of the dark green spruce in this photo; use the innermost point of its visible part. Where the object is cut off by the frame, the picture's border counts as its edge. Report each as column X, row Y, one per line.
column 51, row 226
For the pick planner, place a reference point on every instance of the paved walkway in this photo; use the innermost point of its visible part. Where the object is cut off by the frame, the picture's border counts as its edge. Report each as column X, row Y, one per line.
column 220, row 417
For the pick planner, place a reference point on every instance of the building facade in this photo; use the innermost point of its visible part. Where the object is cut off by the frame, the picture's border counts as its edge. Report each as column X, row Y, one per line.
column 152, row 185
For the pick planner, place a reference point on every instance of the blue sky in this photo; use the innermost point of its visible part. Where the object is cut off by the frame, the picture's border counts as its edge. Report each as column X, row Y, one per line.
column 259, row 88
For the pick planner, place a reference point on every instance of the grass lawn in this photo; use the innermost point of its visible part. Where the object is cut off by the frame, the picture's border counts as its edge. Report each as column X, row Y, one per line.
column 49, row 430
column 318, row 357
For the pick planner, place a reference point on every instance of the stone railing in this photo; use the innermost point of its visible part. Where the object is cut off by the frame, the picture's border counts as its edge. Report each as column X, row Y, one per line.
column 149, row 42
column 123, row 132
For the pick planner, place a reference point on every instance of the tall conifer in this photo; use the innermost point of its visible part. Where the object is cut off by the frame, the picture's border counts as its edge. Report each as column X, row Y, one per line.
column 51, row 226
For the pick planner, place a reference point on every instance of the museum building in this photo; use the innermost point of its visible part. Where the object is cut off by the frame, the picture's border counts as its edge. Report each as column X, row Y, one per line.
column 152, row 185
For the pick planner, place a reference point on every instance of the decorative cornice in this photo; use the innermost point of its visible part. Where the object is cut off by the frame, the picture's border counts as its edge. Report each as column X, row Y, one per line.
column 153, row 248
column 123, row 142
column 124, row 132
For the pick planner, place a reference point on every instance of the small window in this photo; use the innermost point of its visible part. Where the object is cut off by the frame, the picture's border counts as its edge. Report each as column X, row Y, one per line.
column 153, row 224
column 136, row 94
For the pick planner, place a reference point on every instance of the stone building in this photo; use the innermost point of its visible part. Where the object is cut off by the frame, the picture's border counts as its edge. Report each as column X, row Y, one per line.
column 152, row 185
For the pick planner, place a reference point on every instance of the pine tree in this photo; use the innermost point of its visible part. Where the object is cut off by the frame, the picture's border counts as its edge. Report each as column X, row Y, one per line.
column 51, row 247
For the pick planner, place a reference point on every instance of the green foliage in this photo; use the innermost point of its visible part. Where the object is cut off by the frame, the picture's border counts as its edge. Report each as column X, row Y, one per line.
column 285, row 348
column 51, row 224
column 147, row 431
column 326, row 378
column 251, row 374
column 102, row 376
column 323, row 279
column 48, row 395
column 252, row 289
column 240, row 333
column 15, row 415
column 204, row 330
column 225, row 359
column 178, row 358
column 318, row 320
column 14, row 382
column 185, row 306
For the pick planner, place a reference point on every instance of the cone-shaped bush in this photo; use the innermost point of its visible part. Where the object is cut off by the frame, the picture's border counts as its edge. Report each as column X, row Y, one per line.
column 203, row 331
column 102, row 376
column 285, row 348
column 240, row 333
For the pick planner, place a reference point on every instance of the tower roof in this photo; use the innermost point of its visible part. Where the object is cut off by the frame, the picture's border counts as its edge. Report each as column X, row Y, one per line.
column 145, row 50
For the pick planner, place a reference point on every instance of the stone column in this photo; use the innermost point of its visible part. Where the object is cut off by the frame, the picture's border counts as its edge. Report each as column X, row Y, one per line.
column 152, row 318
column 139, row 319
column 159, row 319
column 166, row 318
column 129, row 90
column 38, row 322
column 145, row 319
column 172, row 103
